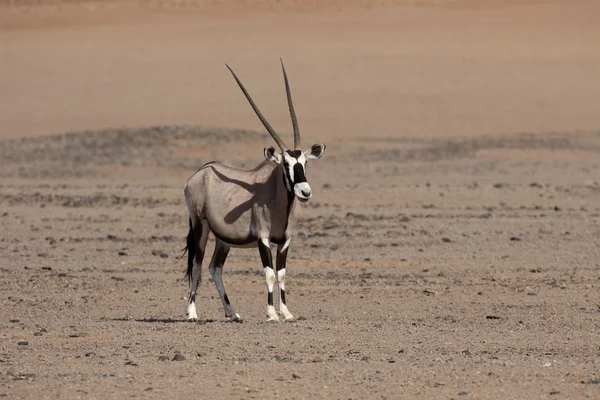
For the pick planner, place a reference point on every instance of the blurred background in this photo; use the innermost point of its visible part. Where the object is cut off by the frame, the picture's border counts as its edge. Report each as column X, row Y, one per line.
column 358, row 68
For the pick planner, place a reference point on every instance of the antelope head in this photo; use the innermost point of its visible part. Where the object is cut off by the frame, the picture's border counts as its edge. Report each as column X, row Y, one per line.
column 293, row 161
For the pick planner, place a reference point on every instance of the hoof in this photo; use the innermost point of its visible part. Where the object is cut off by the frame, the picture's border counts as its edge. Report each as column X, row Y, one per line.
column 289, row 319
column 273, row 319
column 236, row 318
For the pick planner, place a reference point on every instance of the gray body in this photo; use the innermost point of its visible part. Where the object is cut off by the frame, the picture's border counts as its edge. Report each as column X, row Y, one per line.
column 248, row 208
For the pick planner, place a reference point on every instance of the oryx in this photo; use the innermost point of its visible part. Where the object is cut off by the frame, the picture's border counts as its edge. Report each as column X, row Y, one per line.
column 248, row 208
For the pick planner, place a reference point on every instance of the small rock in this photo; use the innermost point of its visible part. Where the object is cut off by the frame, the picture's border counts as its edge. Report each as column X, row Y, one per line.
column 178, row 357
column 78, row 334
column 446, row 240
column 515, row 239
column 111, row 237
column 295, row 376
column 44, row 330
column 23, row 343
column 463, row 393
column 47, row 268
column 554, row 392
column 100, row 374
column 317, row 360
column 594, row 382
column 164, row 255
column 276, row 358
column 122, row 253
column 129, row 362
column 89, row 354
column 498, row 185
column 38, row 334
column 147, row 389
column 367, row 259
column 531, row 294
column 492, row 317
column 13, row 320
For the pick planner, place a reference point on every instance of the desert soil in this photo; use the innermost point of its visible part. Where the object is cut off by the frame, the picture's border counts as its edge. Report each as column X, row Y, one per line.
column 451, row 249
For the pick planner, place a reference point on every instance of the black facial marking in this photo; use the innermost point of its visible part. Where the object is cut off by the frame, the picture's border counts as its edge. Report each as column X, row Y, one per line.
column 282, row 296
column 299, row 176
column 294, row 153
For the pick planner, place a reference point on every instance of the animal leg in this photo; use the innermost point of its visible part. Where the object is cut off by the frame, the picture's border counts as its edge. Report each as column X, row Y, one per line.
column 267, row 260
column 280, row 267
column 196, row 244
column 216, row 271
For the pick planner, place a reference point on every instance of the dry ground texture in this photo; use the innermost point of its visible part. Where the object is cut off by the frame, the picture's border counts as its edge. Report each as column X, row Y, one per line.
column 451, row 249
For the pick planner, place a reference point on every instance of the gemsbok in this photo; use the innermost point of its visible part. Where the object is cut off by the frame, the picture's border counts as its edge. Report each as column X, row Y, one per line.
column 248, row 208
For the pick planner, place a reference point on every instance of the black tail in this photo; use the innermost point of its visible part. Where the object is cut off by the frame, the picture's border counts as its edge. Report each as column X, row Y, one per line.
column 191, row 249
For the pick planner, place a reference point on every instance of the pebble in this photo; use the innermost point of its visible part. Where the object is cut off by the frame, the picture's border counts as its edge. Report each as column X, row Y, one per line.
column 463, row 393
column 122, row 253
column 38, row 334
column 317, row 360
column 178, row 357
column 23, row 343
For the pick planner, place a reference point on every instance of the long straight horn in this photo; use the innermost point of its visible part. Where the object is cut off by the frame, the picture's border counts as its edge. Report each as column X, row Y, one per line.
column 269, row 128
column 297, row 145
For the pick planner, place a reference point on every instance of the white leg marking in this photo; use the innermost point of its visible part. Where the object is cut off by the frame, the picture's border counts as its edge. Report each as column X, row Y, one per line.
column 287, row 315
column 270, row 279
column 286, row 244
column 192, row 316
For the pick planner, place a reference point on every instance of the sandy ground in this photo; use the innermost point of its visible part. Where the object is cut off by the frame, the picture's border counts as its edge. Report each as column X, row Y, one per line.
column 451, row 249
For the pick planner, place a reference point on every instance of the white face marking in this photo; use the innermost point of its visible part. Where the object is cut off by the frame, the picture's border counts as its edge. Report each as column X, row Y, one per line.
column 302, row 190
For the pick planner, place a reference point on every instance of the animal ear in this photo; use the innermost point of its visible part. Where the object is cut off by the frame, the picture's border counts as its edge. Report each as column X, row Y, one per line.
column 316, row 151
column 272, row 155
